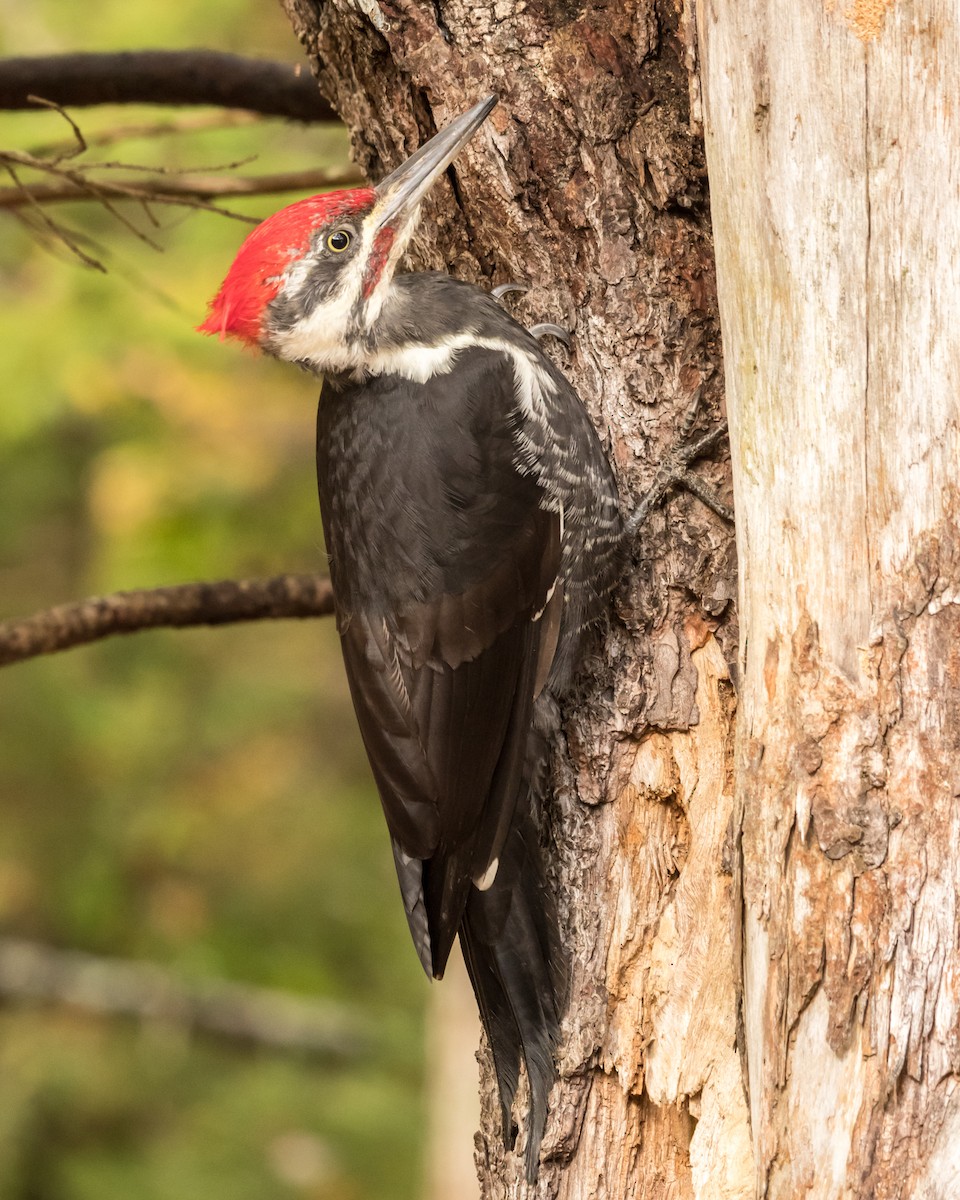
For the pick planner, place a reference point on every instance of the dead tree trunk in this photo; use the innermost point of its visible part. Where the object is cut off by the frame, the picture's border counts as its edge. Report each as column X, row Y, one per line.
column 588, row 183
column 834, row 153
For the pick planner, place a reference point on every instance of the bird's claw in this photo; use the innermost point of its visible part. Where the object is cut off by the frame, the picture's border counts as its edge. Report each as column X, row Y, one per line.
column 548, row 329
column 545, row 328
column 504, row 289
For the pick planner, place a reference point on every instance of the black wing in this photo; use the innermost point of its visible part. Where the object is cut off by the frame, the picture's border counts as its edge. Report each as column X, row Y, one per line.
column 444, row 562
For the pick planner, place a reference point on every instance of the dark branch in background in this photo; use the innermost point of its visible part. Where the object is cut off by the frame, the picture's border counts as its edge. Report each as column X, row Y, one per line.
column 219, row 603
column 34, row 973
column 156, row 77
column 165, row 77
column 175, row 188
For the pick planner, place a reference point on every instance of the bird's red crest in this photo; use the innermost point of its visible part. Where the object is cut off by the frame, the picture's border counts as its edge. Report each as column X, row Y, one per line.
column 256, row 273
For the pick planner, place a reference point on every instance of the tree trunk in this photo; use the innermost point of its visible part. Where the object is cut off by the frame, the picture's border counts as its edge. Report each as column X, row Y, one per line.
column 588, row 183
column 834, row 155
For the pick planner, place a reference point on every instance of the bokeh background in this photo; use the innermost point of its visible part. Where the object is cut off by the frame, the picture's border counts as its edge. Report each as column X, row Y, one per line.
column 195, row 799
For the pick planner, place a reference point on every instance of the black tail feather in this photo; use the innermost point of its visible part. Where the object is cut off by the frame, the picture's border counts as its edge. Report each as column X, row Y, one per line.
column 511, row 945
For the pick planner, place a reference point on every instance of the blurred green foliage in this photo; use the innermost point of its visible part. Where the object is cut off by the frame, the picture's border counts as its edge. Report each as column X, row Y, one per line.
column 196, row 798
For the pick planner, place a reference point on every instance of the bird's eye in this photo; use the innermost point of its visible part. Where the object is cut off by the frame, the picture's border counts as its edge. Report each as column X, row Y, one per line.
column 338, row 241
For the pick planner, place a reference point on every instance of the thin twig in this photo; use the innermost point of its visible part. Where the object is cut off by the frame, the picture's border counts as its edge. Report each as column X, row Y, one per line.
column 177, row 190
column 79, row 144
column 705, row 494
column 219, row 603
column 60, row 232
column 149, row 130
column 673, row 472
column 31, row 972
column 55, row 166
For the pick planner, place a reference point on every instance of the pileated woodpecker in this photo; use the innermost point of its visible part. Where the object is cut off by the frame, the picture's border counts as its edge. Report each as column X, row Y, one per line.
column 472, row 527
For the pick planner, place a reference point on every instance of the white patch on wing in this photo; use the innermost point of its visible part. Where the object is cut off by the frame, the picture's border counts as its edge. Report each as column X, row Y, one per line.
column 484, row 881
column 533, row 385
column 547, row 599
column 395, row 674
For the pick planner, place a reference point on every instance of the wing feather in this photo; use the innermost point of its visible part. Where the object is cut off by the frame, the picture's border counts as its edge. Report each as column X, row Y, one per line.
column 446, row 739
column 444, row 568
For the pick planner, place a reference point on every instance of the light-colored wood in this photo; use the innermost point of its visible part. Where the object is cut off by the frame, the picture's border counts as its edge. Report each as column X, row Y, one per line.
column 671, row 1033
column 833, row 139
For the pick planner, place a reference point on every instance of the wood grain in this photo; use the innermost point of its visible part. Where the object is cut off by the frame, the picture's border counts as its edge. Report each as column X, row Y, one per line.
column 833, row 139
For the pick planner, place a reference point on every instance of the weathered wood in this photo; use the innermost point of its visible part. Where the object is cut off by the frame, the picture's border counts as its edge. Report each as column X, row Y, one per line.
column 833, row 138
column 588, row 184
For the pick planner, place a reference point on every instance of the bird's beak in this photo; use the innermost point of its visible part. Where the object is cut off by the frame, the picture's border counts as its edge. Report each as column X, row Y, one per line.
column 401, row 192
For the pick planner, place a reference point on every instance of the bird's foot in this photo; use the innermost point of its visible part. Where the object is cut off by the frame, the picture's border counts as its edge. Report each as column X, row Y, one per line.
column 675, row 472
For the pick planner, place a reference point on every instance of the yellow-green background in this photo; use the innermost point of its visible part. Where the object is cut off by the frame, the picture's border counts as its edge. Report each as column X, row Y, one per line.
column 195, row 798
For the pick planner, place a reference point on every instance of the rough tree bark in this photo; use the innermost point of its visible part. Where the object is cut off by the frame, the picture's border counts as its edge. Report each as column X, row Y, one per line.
column 588, row 183
column 834, row 154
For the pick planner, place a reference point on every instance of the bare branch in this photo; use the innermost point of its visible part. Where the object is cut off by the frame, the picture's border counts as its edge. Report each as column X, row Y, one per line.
column 31, row 971
column 187, row 123
column 176, row 189
column 673, row 473
column 78, row 144
column 165, row 77
column 47, row 224
column 220, row 603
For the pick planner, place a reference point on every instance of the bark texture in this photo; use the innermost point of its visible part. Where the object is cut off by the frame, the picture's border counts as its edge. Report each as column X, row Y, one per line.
column 588, row 183
column 185, row 604
column 833, row 138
